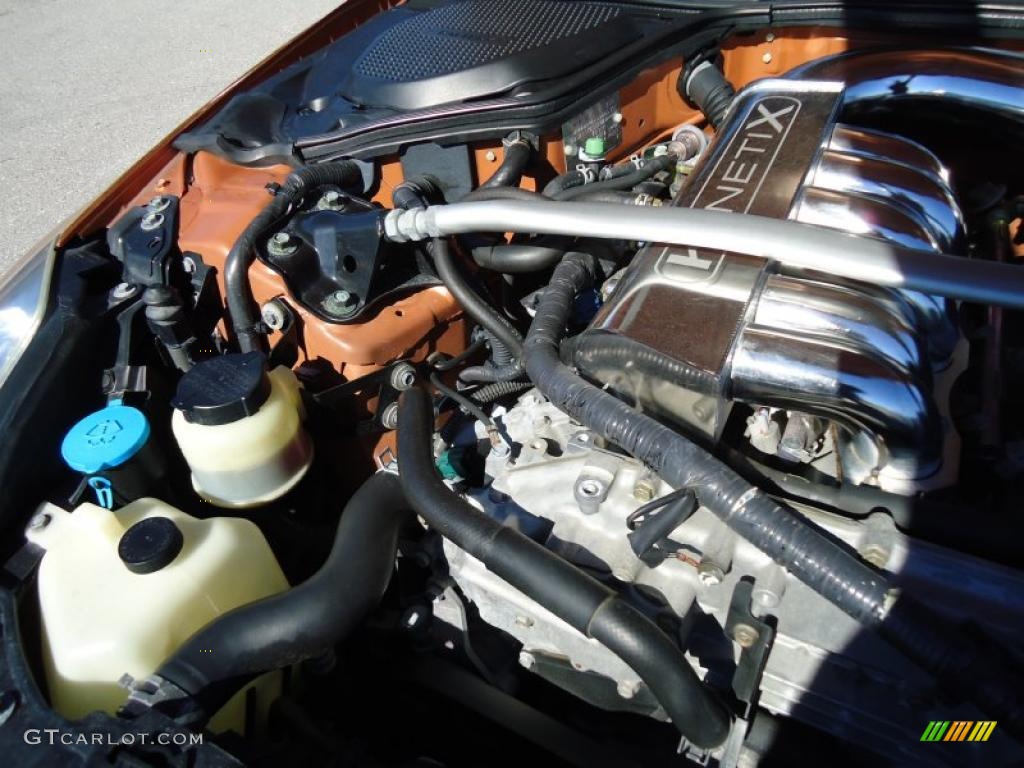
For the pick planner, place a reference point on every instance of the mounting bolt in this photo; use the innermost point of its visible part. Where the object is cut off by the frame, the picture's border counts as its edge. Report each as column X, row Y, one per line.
column 745, row 635
column 644, row 489
column 403, row 376
column 524, row 621
column 40, row 521
column 527, row 660
column 766, row 58
column 876, row 554
column 282, row 244
column 570, row 150
column 274, row 315
column 159, row 203
column 491, row 157
column 340, row 303
column 710, row 573
column 769, row 38
column 627, row 689
column 124, row 290
column 152, row 221
column 389, row 418
column 617, row 118
column 332, row 200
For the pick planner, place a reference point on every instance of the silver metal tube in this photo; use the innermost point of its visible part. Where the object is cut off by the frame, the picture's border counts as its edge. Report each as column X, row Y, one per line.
column 790, row 243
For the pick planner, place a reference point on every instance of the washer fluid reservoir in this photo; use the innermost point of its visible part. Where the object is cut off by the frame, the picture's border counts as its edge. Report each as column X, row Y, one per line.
column 119, row 592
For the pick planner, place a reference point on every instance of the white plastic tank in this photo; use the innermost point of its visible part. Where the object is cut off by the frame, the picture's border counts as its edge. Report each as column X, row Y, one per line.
column 240, row 430
column 106, row 612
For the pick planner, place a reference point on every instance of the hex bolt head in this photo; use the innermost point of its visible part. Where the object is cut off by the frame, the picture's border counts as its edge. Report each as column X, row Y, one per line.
column 644, row 490
column 151, row 221
column 527, row 660
column 491, row 157
column 389, row 418
column 570, row 150
column 159, row 203
column 745, row 635
column 340, row 303
column 710, row 573
column 403, row 376
column 274, row 315
column 331, row 200
column 766, row 58
column 282, row 244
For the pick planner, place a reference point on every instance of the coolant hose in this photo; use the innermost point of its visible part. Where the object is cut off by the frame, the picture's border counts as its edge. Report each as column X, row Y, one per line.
column 966, row 663
column 242, row 307
column 308, row 620
column 576, row 598
column 791, row 243
column 516, row 259
column 567, row 180
column 476, row 307
column 517, row 155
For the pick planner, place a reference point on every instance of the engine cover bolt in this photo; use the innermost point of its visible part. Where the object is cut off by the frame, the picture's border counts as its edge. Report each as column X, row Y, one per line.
column 710, row 573
column 282, row 244
column 745, row 635
column 151, row 221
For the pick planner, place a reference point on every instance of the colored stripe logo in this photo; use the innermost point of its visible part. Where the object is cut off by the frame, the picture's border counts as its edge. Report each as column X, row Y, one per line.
column 958, row 730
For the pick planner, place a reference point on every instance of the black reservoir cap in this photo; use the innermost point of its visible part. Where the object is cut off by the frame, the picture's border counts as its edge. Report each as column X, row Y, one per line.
column 150, row 545
column 223, row 389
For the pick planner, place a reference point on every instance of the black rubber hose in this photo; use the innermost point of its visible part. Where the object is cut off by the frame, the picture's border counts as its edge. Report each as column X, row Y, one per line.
column 707, row 89
column 517, row 259
column 569, row 593
column 242, row 307
column 465, row 402
column 501, row 193
column 477, row 308
column 517, row 156
column 417, row 192
column 307, row 620
column 626, row 181
column 566, row 181
column 490, row 373
column 618, row 197
column 967, row 664
column 602, row 351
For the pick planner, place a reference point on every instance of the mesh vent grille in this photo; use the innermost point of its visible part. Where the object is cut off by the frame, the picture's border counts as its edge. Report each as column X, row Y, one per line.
column 469, row 34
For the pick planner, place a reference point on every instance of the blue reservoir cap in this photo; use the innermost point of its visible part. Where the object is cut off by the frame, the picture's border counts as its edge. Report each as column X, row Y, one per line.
column 105, row 439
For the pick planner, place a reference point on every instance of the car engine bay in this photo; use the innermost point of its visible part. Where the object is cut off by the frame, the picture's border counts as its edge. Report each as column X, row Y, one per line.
column 586, row 383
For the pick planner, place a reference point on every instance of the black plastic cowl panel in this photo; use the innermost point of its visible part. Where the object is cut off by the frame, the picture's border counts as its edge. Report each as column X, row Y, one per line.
column 475, row 48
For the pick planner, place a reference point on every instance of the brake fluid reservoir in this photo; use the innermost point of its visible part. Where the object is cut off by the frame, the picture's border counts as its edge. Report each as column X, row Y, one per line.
column 240, row 430
column 119, row 592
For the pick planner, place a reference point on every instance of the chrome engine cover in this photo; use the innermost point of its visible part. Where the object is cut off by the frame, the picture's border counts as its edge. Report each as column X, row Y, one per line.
column 875, row 362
